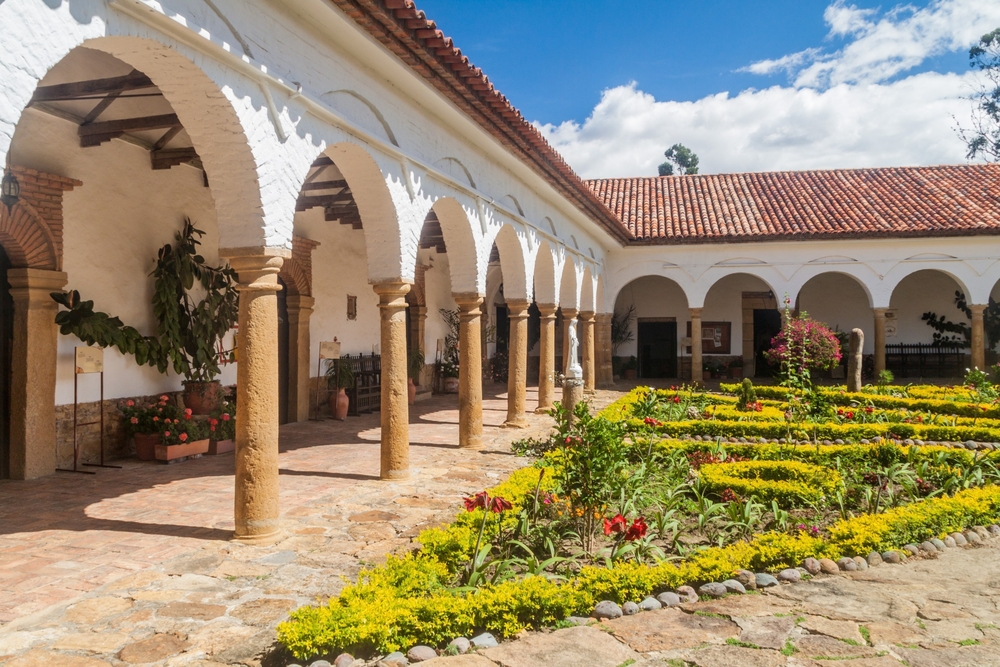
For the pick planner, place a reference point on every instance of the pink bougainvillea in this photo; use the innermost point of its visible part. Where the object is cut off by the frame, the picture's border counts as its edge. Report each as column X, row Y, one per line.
column 805, row 343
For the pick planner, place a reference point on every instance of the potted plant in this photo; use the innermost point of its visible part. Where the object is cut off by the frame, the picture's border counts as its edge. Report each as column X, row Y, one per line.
column 222, row 429
column 736, row 369
column 144, row 422
column 415, row 366
column 189, row 332
column 339, row 376
column 629, row 368
column 183, row 437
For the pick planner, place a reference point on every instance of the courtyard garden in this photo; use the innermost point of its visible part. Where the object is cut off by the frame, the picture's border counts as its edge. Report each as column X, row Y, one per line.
column 681, row 492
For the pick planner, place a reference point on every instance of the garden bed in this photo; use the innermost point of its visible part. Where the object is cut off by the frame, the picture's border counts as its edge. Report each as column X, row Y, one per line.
column 615, row 508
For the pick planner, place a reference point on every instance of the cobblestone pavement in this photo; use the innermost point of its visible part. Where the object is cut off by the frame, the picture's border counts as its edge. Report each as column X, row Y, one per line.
column 135, row 565
column 928, row 612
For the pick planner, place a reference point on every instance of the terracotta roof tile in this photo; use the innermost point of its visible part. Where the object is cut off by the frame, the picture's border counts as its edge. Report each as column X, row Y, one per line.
column 958, row 200
column 416, row 40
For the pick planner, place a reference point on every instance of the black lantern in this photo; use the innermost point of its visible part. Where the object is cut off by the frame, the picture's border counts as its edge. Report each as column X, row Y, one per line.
column 10, row 190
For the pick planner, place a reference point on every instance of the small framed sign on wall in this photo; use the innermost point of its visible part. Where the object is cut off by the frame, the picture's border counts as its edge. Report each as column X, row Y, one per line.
column 352, row 307
column 716, row 337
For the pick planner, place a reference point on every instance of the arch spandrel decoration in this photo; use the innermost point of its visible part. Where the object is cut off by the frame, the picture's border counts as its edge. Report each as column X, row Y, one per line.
column 32, row 231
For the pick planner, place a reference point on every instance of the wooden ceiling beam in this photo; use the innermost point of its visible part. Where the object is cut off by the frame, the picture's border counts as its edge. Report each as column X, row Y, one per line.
column 324, row 185
column 67, row 91
column 94, row 134
column 306, row 201
column 169, row 157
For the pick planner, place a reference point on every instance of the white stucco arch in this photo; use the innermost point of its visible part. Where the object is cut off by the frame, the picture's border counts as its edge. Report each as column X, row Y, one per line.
column 700, row 288
column 954, row 270
column 570, row 283
column 517, row 271
column 466, row 258
column 216, row 112
column 546, row 278
column 627, row 272
column 862, row 275
column 588, row 289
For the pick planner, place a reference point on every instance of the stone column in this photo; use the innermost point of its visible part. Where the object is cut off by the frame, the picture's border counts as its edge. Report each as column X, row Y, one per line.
column 697, row 368
column 600, row 353
column 978, row 341
column 587, row 350
column 879, row 339
column 568, row 316
column 300, row 309
column 517, row 363
column 395, row 410
column 470, row 371
column 547, row 356
column 256, row 509
column 33, row 372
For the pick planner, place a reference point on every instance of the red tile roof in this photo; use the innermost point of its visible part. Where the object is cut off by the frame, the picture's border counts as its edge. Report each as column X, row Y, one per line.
column 962, row 200
column 416, row 40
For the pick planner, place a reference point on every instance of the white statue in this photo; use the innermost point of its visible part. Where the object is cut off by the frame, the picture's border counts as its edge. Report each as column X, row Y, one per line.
column 573, row 369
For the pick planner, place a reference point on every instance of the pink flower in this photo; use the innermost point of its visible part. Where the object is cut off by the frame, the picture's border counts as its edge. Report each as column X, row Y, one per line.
column 225, row 416
column 164, row 398
column 156, row 419
column 166, row 434
column 188, row 411
column 183, row 437
column 134, row 420
column 130, row 402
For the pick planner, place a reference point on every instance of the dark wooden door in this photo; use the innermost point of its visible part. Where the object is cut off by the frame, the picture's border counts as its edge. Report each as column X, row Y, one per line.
column 657, row 349
column 766, row 325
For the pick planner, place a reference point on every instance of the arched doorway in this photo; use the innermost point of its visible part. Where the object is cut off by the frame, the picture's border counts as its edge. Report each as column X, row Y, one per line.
column 649, row 311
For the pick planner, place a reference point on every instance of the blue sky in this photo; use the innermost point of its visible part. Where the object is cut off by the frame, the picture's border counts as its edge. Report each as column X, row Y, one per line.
column 749, row 85
column 553, row 58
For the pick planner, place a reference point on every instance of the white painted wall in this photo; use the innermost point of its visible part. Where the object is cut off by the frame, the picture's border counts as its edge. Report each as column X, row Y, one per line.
column 840, row 302
column 437, row 281
column 113, row 226
column 917, row 294
column 724, row 303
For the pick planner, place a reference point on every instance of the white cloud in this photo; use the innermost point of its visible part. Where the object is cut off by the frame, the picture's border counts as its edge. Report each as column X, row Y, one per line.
column 851, row 108
column 906, row 122
column 884, row 47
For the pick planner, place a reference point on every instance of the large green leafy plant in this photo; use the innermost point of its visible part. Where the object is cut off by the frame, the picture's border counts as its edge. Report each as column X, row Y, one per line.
column 189, row 331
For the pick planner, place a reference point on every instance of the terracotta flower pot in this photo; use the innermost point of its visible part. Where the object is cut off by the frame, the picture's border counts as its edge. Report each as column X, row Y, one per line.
column 451, row 385
column 629, row 374
column 221, row 446
column 411, row 391
column 339, row 404
column 203, row 398
column 145, row 445
column 736, row 373
column 169, row 453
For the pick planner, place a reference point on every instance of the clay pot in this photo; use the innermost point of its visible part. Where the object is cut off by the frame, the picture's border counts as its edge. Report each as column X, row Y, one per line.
column 630, row 374
column 411, row 391
column 145, row 445
column 168, row 453
column 451, row 385
column 339, row 404
column 203, row 398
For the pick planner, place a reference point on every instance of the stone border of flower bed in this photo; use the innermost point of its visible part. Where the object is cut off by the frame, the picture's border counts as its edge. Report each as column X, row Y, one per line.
column 743, row 582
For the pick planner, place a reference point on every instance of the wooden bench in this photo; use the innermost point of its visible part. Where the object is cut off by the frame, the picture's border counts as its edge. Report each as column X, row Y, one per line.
column 366, row 394
column 925, row 360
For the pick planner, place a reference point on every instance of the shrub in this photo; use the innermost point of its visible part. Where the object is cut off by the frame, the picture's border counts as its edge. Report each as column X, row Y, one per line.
column 746, row 396
column 786, row 482
column 804, row 344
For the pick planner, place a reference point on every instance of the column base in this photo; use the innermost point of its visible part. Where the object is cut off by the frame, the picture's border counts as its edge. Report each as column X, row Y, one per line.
column 395, row 474
column 264, row 540
column 516, row 423
column 543, row 410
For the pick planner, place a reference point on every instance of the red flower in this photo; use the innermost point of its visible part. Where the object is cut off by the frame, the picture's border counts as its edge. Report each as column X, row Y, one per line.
column 850, row 415
column 130, row 403
column 840, row 412
column 677, row 399
column 156, row 419
column 649, row 421
column 183, row 437
column 188, row 411
column 498, row 505
column 164, row 398
column 166, row 433
column 869, row 410
column 225, row 416
column 135, row 420
column 212, row 429
column 479, row 501
column 614, row 525
column 547, row 499
column 213, row 422
column 637, row 530
column 729, row 496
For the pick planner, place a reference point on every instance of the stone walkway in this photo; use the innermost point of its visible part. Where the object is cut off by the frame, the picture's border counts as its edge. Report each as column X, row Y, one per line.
column 934, row 612
column 135, row 566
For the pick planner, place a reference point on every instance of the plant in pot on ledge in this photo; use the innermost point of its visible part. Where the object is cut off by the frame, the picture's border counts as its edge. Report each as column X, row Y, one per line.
column 448, row 366
column 222, row 429
column 183, row 437
column 145, row 423
column 188, row 334
column 415, row 366
column 339, row 375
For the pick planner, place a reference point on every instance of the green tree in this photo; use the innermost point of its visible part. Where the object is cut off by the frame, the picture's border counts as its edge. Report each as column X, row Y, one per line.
column 680, row 160
column 983, row 138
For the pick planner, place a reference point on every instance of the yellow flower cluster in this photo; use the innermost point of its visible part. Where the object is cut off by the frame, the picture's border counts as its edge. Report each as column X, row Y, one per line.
column 788, row 482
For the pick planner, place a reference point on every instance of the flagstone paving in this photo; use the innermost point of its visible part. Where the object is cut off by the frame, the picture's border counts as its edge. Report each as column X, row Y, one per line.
column 135, row 566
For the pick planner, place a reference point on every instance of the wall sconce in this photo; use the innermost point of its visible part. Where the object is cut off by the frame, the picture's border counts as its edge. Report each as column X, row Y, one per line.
column 352, row 307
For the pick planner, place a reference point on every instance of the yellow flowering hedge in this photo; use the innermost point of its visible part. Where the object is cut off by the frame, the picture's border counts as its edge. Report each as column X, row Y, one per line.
column 787, row 482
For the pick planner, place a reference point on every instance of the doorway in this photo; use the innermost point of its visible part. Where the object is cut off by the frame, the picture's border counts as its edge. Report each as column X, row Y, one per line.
column 6, row 352
column 766, row 325
column 657, row 348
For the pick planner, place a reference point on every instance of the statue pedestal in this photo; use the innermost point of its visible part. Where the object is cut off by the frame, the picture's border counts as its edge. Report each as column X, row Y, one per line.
column 572, row 394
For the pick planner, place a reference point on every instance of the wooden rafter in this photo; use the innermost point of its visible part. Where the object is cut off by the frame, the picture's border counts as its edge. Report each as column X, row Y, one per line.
column 324, row 185
column 94, row 134
column 168, row 157
column 69, row 91
column 306, row 201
